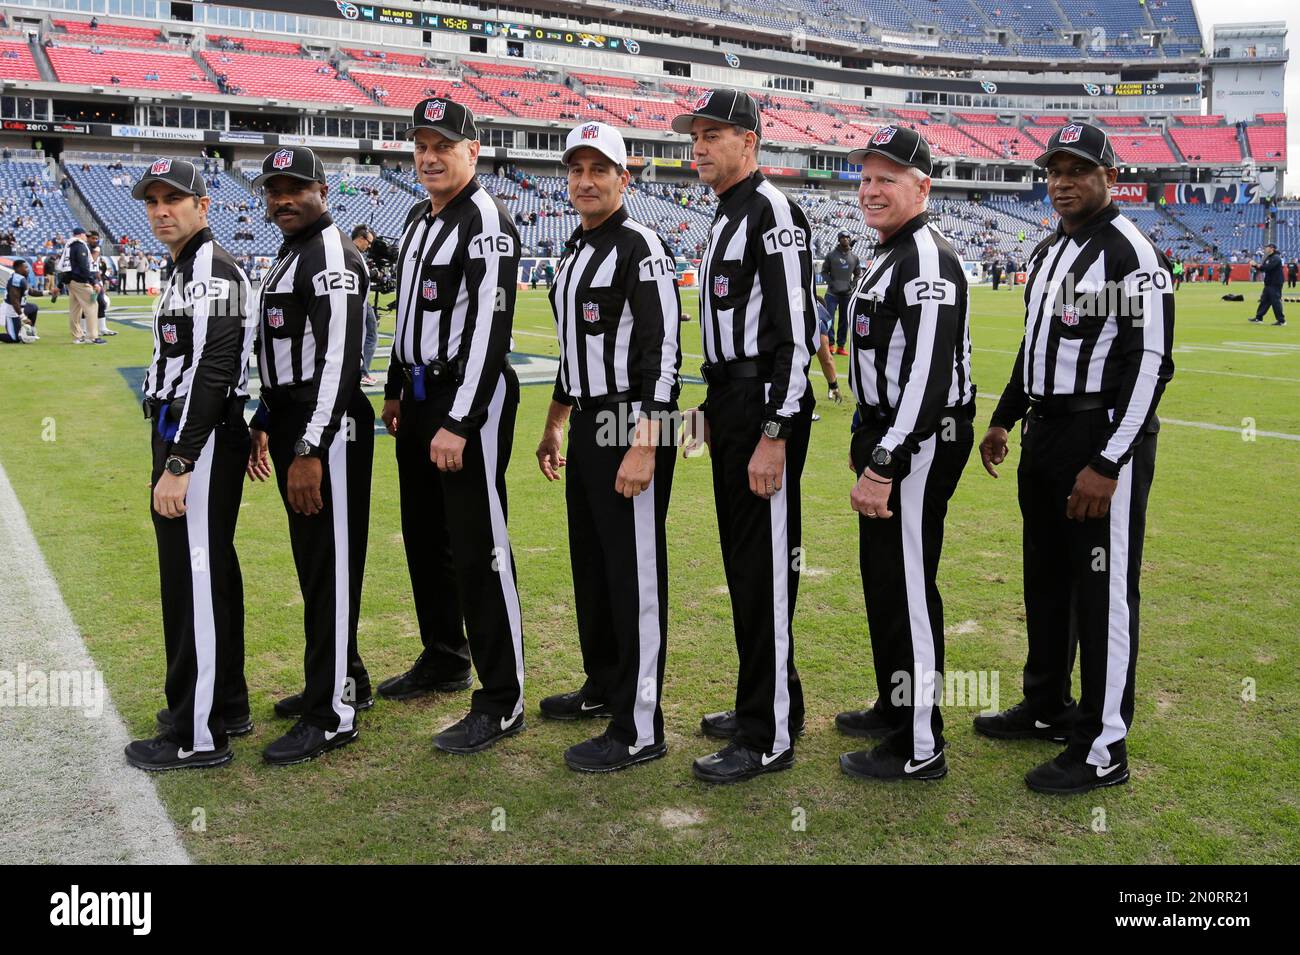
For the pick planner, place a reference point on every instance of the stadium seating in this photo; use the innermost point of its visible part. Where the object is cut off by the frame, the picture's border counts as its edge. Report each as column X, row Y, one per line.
column 641, row 113
column 1123, row 121
column 164, row 72
column 51, row 219
column 1267, row 143
column 1207, row 145
column 1211, row 120
column 384, row 57
column 404, row 91
column 497, row 69
column 16, row 62
column 534, row 99
column 280, row 77
column 607, row 82
column 1050, row 120
column 1270, row 118
column 1006, row 142
column 250, row 45
column 81, row 32
column 1141, row 149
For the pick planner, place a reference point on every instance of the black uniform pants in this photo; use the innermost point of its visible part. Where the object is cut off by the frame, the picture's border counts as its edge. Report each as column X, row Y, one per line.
column 1081, row 580
column 837, row 303
column 1270, row 297
column 761, row 555
column 329, row 552
column 202, row 589
column 619, row 554
column 899, row 559
column 457, row 548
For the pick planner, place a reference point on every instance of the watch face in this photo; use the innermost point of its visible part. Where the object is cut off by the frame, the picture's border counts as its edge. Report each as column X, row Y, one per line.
column 302, row 448
column 880, row 456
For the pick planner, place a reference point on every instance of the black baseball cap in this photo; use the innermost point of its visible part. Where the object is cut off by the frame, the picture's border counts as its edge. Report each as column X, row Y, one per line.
column 454, row 120
column 728, row 106
column 1083, row 140
column 903, row 145
column 298, row 162
column 177, row 173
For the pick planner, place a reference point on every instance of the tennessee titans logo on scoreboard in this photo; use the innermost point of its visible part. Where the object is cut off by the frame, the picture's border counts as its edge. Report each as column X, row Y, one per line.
column 283, row 159
column 275, row 317
column 160, row 167
column 1071, row 133
column 349, row 10
column 435, row 111
column 429, row 290
column 591, row 131
column 989, row 87
column 169, row 334
column 883, row 135
column 721, row 285
column 590, row 312
column 862, row 324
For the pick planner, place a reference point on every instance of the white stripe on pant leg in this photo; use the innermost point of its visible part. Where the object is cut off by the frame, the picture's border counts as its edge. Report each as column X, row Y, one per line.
column 338, row 465
column 489, row 436
column 1118, row 643
column 911, row 513
column 649, row 610
column 779, row 514
column 197, row 501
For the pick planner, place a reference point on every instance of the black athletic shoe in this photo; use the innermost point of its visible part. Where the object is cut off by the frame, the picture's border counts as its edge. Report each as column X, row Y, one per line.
column 572, row 706
column 734, row 762
column 477, row 731
column 290, row 708
column 235, row 726
column 1019, row 723
column 1257, row 320
column 606, row 755
column 304, row 742
column 864, row 724
column 1280, row 321
column 161, row 753
column 883, row 763
column 1070, row 774
column 418, row 681
column 724, row 725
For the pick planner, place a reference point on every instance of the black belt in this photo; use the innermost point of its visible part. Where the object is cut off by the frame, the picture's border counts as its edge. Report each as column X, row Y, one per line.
column 602, row 401
column 719, row 371
column 290, row 394
column 438, row 373
column 877, row 413
column 152, row 407
column 1058, row 406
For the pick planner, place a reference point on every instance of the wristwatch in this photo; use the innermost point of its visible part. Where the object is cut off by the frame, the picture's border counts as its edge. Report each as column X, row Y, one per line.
column 304, row 450
column 178, row 466
column 776, row 429
column 881, row 458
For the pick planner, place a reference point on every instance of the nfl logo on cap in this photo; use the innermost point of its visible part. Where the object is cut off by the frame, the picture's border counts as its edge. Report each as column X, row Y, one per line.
column 283, row 159
column 883, row 135
column 703, row 101
column 275, row 317
column 160, row 167
column 169, row 334
column 434, row 111
column 590, row 312
column 1071, row 133
column 1070, row 316
column 429, row 290
column 721, row 285
column 591, row 132
column 862, row 324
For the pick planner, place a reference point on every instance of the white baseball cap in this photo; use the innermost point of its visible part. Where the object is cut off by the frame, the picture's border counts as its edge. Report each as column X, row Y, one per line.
column 606, row 140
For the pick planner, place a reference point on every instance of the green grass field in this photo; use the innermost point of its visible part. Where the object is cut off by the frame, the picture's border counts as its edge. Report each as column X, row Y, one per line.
column 1215, row 778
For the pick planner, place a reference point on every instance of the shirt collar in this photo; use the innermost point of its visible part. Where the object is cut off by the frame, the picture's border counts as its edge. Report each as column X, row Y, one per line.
column 192, row 247
column 471, row 187
column 906, row 229
column 313, row 230
column 737, row 194
column 1089, row 228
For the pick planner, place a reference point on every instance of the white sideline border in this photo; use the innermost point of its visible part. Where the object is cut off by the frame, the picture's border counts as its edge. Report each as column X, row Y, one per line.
column 67, row 794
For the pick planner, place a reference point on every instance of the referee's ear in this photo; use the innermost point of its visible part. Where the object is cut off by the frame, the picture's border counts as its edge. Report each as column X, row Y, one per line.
column 204, row 203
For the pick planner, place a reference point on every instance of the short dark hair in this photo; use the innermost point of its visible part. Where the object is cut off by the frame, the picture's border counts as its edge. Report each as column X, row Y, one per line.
column 361, row 231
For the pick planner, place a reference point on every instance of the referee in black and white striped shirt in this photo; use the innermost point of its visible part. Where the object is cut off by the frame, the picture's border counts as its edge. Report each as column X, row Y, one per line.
column 1095, row 359
column 909, row 368
column 319, row 430
column 451, row 400
column 194, row 393
column 617, row 313
column 758, row 322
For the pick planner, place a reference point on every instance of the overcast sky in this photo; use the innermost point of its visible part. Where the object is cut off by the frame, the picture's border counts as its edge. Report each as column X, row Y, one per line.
column 1264, row 11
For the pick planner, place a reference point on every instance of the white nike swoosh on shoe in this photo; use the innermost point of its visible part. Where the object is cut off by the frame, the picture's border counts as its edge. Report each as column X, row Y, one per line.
column 507, row 721
column 329, row 735
column 594, row 706
column 1104, row 771
column 1040, row 725
column 184, row 753
column 633, row 750
column 769, row 760
column 910, row 767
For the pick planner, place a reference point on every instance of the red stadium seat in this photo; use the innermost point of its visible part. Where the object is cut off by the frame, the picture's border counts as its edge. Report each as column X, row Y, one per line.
column 1208, row 144
column 1141, row 148
column 608, row 82
column 1267, row 143
column 405, row 91
column 176, row 72
column 80, row 31
column 16, row 62
column 279, row 77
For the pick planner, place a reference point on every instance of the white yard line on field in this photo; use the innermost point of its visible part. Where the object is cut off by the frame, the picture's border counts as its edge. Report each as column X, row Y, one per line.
column 66, row 792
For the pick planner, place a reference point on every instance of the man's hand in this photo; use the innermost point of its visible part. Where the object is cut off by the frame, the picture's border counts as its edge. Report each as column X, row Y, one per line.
column 549, row 458
column 259, row 460
column 392, row 407
column 636, row 472
column 304, row 486
column 169, row 494
column 870, row 496
column 447, row 451
column 695, row 431
column 993, row 449
column 834, row 394
column 766, row 467
column 1091, row 495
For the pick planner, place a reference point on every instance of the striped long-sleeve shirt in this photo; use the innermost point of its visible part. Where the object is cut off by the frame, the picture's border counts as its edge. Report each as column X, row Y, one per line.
column 203, row 330
column 910, row 353
column 312, row 324
column 756, row 288
column 457, row 277
column 617, row 314
column 1099, row 320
